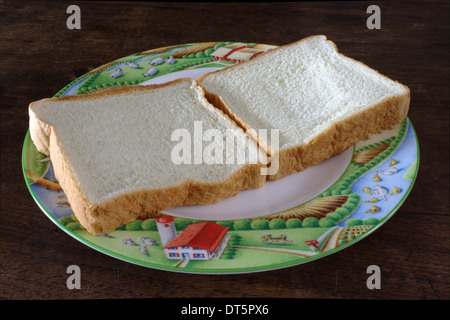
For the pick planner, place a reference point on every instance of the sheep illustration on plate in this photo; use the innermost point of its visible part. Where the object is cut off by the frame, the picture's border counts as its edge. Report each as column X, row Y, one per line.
column 157, row 61
column 116, row 73
column 151, row 72
column 170, row 60
column 148, row 240
column 143, row 249
column 133, row 65
column 129, row 242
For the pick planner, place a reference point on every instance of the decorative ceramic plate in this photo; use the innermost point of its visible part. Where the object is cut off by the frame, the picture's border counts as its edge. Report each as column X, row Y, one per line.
column 298, row 219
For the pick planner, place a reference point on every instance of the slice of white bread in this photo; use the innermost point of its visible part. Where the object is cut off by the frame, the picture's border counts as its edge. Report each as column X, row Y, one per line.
column 321, row 101
column 111, row 152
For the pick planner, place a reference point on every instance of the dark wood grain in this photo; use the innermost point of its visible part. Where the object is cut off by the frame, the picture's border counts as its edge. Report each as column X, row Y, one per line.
column 39, row 56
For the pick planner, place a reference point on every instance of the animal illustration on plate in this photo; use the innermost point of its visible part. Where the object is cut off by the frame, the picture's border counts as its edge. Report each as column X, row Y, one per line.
column 171, row 60
column 393, row 162
column 133, row 65
column 143, row 249
column 157, row 61
column 389, row 172
column 267, row 238
column 148, row 240
column 151, row 72
column 116, row 73
column 373, row 200
column 374, row 209
column 395, row 190
column 380, row 191
column 129, row 242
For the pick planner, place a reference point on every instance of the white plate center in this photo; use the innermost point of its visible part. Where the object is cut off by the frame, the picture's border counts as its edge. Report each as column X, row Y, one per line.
column 273, row 197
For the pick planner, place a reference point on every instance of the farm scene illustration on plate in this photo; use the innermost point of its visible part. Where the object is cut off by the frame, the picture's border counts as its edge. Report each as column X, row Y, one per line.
column 376, row 182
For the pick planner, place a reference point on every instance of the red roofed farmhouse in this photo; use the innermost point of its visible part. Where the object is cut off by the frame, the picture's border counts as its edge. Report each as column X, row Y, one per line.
column 243, row 55
column 223, row 52
column 198, row 241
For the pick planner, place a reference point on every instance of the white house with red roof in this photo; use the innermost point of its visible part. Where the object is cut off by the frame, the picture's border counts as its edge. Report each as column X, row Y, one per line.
column 198, row 241
column 239, row 52
column 223, row 52
column 244, row 54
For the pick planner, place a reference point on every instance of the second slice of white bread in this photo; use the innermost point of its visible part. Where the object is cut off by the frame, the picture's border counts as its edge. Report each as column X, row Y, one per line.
column 321, row 101
column 111, row 152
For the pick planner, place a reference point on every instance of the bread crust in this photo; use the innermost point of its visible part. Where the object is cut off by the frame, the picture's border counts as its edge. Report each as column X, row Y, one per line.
column 334, row 140
column 116, row 91
column 342, row 135
column 99, row 218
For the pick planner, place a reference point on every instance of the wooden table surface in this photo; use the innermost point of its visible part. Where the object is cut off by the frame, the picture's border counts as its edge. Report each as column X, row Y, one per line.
column 40, row 55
